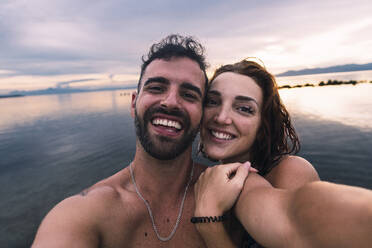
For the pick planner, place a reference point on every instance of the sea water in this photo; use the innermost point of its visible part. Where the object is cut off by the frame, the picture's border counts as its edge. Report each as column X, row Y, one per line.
column 54, row 146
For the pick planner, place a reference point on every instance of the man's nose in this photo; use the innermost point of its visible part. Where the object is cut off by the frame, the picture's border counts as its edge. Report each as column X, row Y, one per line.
column 171, row 100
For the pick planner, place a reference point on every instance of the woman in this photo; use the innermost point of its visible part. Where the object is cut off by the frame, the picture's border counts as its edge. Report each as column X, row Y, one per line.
column 244, row 120
column 243, row 101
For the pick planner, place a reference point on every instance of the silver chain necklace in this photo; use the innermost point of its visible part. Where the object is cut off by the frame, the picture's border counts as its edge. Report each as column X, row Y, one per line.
column 149, row 209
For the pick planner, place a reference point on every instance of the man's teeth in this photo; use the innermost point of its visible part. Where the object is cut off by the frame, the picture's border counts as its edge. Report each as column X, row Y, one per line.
column 167, row 123
column 220, row 135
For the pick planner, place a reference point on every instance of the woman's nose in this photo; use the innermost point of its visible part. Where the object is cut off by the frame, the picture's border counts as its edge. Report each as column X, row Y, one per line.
column 223, row 117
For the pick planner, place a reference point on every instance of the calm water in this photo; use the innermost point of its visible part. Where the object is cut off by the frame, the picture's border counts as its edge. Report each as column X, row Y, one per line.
column 55, row 146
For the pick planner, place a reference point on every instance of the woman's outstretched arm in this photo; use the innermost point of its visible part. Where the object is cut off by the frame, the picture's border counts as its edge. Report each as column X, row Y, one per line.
column 318, row 214
column 343, row 213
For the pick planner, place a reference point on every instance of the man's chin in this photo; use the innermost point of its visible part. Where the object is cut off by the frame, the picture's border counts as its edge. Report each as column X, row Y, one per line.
column 164, row 154
column 162, row 140
column 165, row 148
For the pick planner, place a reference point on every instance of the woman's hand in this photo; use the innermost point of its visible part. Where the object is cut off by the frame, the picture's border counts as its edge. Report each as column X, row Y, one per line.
column 218, row 188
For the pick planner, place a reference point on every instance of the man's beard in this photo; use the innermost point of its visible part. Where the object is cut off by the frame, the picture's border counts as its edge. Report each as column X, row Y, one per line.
column 167, row 148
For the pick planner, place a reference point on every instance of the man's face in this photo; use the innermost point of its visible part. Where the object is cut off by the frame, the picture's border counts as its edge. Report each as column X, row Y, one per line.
column 168, row 108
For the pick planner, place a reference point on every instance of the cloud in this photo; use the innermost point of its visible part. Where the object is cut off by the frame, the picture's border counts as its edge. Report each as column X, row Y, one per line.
column 61, row 84
column 7, row 72
column 51, row 38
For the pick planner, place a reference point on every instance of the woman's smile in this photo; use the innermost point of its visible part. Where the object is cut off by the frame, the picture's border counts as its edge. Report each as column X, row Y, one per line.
column 221, row 135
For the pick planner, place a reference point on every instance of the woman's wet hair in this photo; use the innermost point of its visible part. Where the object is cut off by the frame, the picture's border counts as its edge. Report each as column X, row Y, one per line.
column 276, row 136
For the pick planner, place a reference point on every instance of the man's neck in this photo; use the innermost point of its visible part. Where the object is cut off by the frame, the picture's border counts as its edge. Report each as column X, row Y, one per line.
column 155, row 177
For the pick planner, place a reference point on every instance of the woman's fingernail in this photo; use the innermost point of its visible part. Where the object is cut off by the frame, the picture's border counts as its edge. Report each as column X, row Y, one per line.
column 253, row 169
column 247, row 164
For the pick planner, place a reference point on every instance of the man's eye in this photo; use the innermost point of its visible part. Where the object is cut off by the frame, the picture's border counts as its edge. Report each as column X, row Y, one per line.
column 189, row 96
column 155, row 89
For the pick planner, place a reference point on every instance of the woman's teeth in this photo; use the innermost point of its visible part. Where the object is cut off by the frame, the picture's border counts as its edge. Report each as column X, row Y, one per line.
column 167, row 123
column 220, row 135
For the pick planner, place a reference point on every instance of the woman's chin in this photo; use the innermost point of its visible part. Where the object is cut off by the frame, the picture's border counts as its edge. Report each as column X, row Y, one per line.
column 225, row 157
column 216, row 156
column 213, row 156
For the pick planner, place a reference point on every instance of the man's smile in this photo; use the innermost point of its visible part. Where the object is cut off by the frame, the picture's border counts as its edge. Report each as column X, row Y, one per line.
column 167, row 123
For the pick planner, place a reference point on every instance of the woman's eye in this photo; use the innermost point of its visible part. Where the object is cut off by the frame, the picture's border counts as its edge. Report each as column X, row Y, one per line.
column 210, row 102
column 245, row 109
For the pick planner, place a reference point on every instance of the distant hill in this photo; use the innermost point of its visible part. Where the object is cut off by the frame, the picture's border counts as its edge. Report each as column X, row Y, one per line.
column 65, row 90
column 337, row 68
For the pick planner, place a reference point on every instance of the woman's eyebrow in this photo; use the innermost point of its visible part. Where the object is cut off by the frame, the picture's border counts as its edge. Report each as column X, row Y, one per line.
column 246, row 99
column 214, row 92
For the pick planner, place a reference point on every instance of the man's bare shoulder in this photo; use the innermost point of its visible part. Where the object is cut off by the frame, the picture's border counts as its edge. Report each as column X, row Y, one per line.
column 81, row 216
column 117, row 183
column 75, row 220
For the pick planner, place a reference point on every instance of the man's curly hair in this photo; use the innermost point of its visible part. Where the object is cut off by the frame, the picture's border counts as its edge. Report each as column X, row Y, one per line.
column 175, row 46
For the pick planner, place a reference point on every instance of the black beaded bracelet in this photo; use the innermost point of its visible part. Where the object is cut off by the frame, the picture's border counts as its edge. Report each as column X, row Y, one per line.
column 208, row 219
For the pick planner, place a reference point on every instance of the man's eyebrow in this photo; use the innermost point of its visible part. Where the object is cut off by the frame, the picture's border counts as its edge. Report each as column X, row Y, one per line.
column 246, row 99
column 162, row 80
column 192, row 87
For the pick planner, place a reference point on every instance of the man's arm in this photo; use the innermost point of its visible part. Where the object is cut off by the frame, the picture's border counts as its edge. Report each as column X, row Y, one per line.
column 73, row 222
column 318, row 214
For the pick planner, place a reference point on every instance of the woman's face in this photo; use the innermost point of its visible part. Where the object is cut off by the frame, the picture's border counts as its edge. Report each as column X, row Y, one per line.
column 232, row 116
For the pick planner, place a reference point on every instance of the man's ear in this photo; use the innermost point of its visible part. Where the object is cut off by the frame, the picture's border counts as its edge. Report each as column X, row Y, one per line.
column 133, row 103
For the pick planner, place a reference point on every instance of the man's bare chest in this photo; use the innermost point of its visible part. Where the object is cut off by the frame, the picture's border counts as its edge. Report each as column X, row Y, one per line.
column 133, row 227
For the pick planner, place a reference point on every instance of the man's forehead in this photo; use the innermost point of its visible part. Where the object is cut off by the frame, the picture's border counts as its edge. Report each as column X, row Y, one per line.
column 176, row 69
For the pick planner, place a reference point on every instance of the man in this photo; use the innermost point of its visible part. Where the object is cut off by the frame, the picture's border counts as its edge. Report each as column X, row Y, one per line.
column 149, row 203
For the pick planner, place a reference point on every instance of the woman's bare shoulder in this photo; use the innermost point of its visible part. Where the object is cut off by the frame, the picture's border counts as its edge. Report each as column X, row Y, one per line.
column 292, row 172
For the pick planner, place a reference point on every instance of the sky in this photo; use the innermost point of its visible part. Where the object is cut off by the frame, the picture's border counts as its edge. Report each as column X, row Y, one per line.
column 99, row 43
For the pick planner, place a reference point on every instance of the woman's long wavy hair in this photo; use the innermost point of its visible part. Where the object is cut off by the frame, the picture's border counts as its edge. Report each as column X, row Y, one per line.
column 276, row 136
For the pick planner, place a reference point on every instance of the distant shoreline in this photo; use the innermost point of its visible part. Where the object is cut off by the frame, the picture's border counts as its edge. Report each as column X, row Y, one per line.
column 56, row 91
column 322, row 83
column 285, row 86
column 331, row 69
column 9, row 96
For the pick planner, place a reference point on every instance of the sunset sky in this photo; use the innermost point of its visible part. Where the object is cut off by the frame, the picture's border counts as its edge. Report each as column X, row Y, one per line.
column 91, row 43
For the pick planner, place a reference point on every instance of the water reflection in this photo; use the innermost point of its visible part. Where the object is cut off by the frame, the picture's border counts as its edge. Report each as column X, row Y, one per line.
column 350, row 105
column 27, row 110
column 347, row 104
column 72, row 141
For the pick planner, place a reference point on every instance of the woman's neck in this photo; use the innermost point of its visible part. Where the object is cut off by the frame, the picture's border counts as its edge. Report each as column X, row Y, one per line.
column 237, row 159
